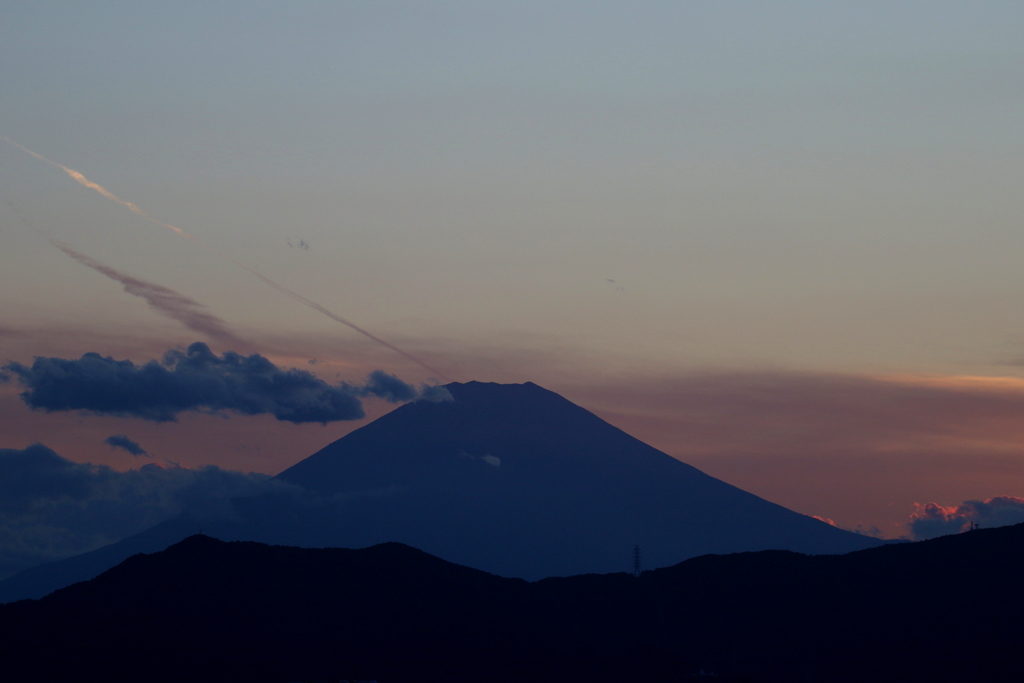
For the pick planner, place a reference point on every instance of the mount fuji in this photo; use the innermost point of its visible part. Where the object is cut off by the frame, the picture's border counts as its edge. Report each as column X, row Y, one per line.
column 512, row 479
column 517, row 480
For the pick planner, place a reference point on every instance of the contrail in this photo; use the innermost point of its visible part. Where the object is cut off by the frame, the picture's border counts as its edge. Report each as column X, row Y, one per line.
column 164, row 300
column 85, row 182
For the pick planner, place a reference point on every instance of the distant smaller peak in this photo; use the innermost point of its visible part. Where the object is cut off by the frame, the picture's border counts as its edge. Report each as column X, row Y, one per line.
column 198, row 539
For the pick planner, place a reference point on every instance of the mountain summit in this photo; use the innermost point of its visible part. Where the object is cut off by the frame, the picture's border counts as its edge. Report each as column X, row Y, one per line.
column 516, row 480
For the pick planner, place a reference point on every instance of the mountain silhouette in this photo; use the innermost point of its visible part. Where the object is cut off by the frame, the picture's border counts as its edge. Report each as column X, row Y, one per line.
column 942, row 610
column 516, row 480
column 512, row 479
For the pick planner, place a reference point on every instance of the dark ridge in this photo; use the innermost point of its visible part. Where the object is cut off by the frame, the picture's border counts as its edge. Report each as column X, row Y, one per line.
column 45, row 578
column 943, row 610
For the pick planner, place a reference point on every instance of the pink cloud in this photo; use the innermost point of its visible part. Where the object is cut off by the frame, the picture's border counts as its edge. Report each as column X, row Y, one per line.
column 931, row 519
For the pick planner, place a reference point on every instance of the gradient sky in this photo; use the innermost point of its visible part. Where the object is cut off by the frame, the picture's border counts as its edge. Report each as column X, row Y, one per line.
column 779, row 240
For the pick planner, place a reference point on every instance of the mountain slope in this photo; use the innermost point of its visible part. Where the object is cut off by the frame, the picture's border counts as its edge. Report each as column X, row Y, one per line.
column 517, row 480
column 43, row 579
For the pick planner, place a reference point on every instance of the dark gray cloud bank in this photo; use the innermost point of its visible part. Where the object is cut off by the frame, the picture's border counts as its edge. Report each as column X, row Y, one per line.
column 51, row 507
column 201, row 381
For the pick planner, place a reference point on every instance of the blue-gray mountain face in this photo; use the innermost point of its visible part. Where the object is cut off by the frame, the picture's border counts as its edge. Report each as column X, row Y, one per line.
column 518, row 481
column 512, row 479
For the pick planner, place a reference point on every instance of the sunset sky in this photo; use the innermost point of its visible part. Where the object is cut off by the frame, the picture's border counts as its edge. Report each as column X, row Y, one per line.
column 781, row 241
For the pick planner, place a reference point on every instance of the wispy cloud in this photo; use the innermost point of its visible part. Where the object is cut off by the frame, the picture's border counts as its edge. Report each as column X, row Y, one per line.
column 85, row 182
column 164, row 300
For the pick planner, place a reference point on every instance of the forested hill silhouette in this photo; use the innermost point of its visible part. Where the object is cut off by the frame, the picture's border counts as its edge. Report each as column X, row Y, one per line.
column 509, row 478
column 204, row 610
column 516, row 480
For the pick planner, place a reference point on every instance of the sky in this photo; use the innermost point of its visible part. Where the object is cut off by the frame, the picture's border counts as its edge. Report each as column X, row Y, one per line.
column 780, row 241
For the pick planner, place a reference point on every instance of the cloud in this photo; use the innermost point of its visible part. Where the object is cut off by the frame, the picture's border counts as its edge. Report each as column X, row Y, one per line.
column 51, row 507
column 200, row 381
column 436, row 393
column 866, row 530
column 123, row 442
column 85, row 182
column 385, row 386
column 163, row 300
column 931, row 519
column 862, row 529
column 394, row 390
